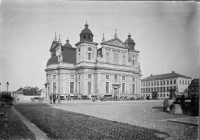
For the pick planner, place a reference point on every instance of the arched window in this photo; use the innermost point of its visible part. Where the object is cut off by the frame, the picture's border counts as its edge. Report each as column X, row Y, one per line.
column 84, row 37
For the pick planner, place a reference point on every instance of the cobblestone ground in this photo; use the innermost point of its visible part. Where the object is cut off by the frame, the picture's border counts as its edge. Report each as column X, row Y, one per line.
column 11, row 127
column 146, row 114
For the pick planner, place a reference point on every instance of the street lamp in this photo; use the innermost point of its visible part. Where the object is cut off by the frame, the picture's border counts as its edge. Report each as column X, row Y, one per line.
column 7, row 84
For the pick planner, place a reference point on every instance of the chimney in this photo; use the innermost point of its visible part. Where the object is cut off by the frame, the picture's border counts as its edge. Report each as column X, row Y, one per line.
column 172, row 71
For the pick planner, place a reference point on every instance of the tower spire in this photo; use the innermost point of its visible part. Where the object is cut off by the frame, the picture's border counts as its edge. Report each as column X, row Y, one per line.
column 86, row 25
column 59, row 39
column 103, row 38
column 115, row 33
column 55, row 39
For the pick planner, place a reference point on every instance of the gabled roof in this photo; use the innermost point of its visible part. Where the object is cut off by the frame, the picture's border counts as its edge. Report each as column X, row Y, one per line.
column 164, row 76
column 20, row 89
column 53, row 46
column 115, row 42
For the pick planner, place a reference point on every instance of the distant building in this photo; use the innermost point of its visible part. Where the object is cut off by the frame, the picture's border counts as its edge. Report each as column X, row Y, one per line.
column 164, row 83
column 113, row 68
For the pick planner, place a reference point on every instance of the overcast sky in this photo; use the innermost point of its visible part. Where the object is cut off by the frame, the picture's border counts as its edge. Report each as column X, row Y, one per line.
column 165, row 33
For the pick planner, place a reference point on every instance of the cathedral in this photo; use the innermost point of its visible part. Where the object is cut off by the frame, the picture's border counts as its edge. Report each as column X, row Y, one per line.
column 113, row 68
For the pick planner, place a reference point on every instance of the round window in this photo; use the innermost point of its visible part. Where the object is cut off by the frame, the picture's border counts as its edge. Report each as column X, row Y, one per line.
column 89, row 49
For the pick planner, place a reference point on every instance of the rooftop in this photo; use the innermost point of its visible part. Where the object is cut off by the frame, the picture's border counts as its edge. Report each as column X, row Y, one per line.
column 165, row 76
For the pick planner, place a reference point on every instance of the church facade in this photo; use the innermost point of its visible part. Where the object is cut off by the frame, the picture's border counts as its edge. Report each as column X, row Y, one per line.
column 113, row 68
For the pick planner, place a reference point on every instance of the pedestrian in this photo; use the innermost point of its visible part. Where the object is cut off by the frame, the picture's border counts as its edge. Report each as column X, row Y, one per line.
column 50, row 98
column 58, row 97
column 54, row 98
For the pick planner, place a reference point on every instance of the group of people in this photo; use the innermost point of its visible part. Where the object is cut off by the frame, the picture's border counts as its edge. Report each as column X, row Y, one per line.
column 54, row 97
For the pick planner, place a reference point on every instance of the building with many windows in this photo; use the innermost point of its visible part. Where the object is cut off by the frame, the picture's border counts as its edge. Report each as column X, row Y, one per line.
column 164, row 83
column 112, row 68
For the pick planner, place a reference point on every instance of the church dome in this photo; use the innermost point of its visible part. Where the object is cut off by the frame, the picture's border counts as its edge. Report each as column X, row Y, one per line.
column 130, row 43
column 86, row 30
column 53, row 60
column 86, row 34
column 67, row 45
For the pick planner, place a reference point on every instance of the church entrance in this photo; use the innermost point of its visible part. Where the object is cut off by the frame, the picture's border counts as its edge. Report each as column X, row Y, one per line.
column 116, row 89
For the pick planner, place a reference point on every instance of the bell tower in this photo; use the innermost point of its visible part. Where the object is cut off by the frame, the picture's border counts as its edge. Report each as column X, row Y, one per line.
column 86, row 49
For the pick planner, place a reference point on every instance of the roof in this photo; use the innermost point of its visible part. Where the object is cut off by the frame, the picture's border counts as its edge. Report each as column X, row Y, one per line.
column 115, row 42
column 53, row 46
column 130, row 43
column 20, row 89
column 86, row 30
column 68, row 54
column 164, row 76
column 67, row 44
column 53, row 60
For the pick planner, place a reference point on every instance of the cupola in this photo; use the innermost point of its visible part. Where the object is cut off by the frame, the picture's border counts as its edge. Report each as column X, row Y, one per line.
column 86, row 34
column 130, row 43
column 67, row 45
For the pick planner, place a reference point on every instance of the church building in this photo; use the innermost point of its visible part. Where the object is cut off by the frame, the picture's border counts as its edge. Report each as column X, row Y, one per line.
column 113, row 68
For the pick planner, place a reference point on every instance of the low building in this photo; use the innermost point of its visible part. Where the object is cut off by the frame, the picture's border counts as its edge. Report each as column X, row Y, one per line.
column 162, row 85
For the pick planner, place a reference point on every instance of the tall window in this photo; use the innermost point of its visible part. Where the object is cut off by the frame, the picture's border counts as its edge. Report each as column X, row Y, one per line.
column 107, row 58
column 133, row 88
column 123, row 77
column 133, row 62
column 89, row 88
column 170, row 81
column 71, row 87
column 54, row 87
column 107, row 87
column 79, row 56
column 179, row 81
column 123, row 87
column 79, row 87
column 133, row 79
column 123, row 60
column 158, row 83
column 174, row 81
column 115, row 58
column 89, row 56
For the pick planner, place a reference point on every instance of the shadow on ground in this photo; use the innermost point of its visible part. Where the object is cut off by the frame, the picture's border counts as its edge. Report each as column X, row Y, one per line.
column 60, row 124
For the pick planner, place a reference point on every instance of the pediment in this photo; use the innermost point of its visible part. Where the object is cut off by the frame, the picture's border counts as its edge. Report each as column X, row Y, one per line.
column 115, row 42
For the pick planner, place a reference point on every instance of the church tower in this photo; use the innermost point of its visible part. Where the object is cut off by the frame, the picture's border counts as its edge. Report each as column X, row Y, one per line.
column 86, row 50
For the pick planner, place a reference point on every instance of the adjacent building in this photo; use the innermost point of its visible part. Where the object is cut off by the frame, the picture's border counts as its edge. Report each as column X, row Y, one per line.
column 163, row 84
column 111, row 68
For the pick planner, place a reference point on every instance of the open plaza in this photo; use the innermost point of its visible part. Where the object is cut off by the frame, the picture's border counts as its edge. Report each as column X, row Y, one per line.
column 85, row 119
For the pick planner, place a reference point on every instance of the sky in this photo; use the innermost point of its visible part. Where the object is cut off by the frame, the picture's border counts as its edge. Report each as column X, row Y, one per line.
column 165, row 33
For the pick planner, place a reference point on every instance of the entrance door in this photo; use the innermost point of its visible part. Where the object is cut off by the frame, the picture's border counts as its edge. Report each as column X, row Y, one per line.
column 115, row 91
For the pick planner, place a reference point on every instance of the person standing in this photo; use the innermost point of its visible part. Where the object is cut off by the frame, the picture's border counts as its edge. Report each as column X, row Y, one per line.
column 54, row 98
column 50, row 98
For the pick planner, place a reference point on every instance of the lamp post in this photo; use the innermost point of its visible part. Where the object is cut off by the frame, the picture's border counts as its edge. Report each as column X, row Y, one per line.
column 7, row 84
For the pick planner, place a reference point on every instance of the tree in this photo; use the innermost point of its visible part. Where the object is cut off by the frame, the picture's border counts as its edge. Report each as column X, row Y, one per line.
column 31, row 90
